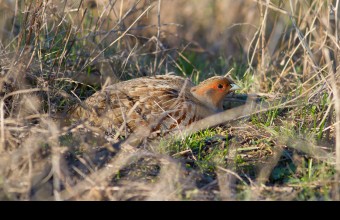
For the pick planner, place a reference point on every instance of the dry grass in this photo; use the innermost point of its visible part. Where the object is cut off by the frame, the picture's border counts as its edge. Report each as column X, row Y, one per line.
column 281, row 141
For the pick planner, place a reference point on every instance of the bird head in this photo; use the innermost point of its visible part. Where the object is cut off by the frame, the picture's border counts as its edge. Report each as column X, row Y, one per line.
column 212, row 91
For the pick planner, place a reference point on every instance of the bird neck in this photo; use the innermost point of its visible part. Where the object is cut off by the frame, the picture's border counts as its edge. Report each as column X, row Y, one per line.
column 207, row 100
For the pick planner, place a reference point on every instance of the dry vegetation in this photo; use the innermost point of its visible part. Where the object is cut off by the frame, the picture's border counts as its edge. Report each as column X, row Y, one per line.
column 278, row 140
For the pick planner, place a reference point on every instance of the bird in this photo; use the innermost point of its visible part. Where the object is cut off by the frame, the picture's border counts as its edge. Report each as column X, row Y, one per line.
column 154, row 105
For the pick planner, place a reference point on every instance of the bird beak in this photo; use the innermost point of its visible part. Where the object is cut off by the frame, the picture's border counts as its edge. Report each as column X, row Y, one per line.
column 234, row 87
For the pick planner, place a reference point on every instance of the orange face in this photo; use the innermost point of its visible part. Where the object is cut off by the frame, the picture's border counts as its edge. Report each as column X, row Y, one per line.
column 217, row 90
column 221, row 86
column 214, row 90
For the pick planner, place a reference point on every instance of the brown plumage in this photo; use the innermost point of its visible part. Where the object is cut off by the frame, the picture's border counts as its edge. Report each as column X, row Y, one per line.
column 155, row 105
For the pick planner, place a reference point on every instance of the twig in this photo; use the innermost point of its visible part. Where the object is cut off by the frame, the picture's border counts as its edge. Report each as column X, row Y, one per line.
column 120, row 37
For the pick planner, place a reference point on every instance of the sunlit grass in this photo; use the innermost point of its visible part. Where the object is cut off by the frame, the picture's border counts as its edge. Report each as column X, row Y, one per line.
column 66, row 51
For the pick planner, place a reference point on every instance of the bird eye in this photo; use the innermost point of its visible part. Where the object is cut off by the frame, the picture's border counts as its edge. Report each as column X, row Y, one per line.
column 220, row 86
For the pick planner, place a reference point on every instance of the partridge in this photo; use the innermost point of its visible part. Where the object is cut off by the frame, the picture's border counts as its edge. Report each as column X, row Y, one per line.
column 156, row 105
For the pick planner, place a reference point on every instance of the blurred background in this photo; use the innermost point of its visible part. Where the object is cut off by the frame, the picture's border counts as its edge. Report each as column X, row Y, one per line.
column 212, row 35
column 205, row 36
